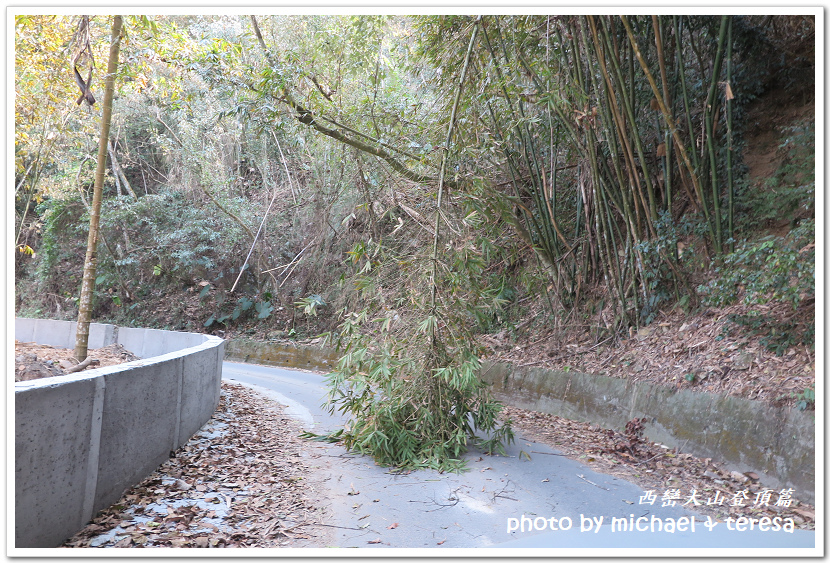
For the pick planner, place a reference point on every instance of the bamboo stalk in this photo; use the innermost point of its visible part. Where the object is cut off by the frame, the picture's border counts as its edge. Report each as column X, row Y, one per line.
column 91, row 259
column 649, row 208
column 666, row 160
column 709, row 118
column 621, row 128
column 666, row 112
column 729, row 180
column 442, row 171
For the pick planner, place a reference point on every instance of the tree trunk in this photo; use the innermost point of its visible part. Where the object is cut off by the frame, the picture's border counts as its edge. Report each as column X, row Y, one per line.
column 118, row 172
column 91, row 261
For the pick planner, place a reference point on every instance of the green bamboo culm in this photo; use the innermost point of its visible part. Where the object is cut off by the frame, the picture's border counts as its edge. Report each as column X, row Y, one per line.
column 442, row 171
column 710, row 112
column 730, row 147
column 412, row 390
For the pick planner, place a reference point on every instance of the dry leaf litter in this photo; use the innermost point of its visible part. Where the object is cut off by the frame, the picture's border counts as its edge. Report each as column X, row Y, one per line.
column 239, row 482
column 705, row 353
column 36, row 361
column 655, row 467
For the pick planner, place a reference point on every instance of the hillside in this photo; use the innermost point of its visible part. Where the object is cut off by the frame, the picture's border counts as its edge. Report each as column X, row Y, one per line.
column 763, row 351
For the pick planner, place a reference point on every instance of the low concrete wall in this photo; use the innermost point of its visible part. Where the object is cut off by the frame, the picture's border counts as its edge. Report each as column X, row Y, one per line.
column 748, row 435
column 82, row 439
column 282, row 354
column 779, row 443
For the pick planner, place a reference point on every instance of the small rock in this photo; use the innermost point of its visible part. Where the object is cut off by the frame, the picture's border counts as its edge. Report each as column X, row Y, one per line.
column 739, row 477
column 710, row 474
column 742, row 361
column 66, row 364
column 644, row 333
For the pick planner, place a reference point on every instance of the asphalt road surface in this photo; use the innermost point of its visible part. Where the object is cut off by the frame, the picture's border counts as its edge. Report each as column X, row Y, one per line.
column 501, row 501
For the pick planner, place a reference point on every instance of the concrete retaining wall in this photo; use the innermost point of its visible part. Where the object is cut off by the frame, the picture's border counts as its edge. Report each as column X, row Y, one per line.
column 82, row 439
column 777, row 443
column 282, row 354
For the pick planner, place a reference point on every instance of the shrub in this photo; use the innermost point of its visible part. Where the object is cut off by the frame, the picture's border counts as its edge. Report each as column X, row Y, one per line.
column 779, row 268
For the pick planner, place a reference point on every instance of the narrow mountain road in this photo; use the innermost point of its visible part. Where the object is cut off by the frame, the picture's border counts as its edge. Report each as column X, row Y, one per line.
column 501, row 501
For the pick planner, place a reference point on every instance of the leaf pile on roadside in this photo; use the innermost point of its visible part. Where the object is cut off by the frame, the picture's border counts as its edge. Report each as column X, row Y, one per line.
column 239, row 482
column 653, row 466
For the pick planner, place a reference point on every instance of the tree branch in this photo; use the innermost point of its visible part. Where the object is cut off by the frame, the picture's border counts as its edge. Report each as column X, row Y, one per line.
column 119, row 172
column 307, row 117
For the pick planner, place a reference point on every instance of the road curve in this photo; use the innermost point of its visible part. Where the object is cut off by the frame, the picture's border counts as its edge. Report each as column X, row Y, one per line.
column 501, row 501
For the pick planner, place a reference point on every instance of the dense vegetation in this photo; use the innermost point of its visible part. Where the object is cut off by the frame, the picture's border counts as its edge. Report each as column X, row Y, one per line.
column 404, row 184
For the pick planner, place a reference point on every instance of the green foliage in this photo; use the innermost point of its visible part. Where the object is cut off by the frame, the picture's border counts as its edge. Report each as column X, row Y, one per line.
column 264, row 309
column 179, row 239
column 777, row 336
column 773, row 268
column 788, row 194
column 244, row 309
column 409, row 375
column 566, row 115
column 658, row 253
column 806, row 399
column 547, row 145
column 61, row 240
column 310, row 304
column 780, row 268
column 410, row 407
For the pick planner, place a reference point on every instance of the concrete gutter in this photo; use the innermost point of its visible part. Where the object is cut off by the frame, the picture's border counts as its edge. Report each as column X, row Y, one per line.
column 82, row 439
column 776, row 443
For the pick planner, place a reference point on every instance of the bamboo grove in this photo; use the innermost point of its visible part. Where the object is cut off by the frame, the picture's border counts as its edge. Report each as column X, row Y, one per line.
column 613, row 135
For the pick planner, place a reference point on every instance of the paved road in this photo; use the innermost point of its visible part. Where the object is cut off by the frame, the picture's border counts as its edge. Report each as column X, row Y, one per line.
column 499, row 502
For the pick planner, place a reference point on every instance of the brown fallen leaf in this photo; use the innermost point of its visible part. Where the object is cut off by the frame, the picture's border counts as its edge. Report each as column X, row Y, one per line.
column 805, row 513
column 392, row 526
column 181, row 485
column 441, row 542
column 376, row 540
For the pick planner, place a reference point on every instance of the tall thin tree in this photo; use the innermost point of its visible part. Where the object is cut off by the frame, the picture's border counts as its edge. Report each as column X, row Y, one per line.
column 91, row 261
